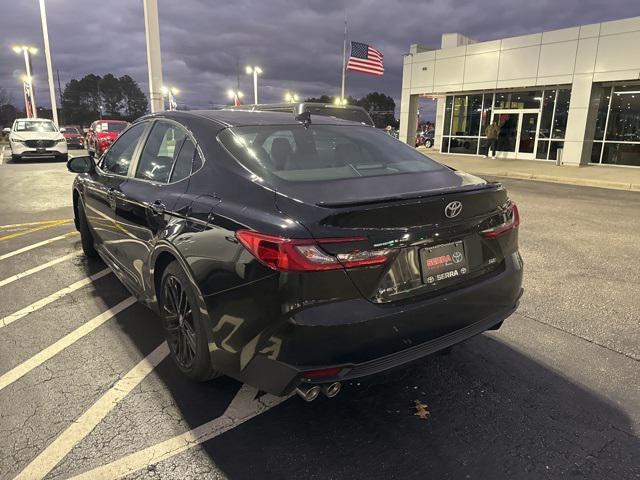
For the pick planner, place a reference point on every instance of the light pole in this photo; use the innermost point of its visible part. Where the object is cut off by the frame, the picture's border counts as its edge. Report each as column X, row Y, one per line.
column 170, row 92
column 236, row 96
column 291, row 97
column 340, row 101
column 255, row 71
column 47, row 56
column 28, row 79
column 154, row 62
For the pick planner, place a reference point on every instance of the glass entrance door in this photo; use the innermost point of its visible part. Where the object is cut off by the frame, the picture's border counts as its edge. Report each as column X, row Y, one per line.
column 517, row 137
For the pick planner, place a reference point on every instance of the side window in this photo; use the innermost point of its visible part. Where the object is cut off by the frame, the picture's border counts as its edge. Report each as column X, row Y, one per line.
column 118, row 158
column 184, row 162
column 160, row 152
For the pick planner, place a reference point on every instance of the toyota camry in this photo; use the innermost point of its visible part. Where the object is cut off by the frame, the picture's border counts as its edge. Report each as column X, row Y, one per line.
column 296, row 252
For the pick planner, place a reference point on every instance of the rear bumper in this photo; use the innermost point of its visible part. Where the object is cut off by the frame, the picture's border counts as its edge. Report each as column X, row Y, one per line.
column 363, row 338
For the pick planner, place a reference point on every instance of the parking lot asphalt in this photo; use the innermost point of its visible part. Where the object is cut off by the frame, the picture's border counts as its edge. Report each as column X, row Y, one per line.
column 87, row 389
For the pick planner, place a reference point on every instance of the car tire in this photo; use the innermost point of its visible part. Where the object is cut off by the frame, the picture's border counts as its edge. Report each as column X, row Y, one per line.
column 86, row 237
column 15, row 158
column 63, row 158
column 183, row 325
column 428, row 143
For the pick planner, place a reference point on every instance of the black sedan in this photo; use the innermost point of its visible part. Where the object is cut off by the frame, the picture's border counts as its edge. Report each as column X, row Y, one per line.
column 293, row 253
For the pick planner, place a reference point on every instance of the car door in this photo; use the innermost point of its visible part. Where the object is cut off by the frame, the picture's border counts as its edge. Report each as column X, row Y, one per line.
column 103, row 192
column 159, row 178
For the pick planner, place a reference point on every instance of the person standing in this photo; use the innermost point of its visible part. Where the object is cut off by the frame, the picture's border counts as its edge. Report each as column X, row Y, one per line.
column 492, row 132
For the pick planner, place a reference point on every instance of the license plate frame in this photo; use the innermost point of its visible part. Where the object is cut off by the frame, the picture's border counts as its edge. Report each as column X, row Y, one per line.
column 444, row 263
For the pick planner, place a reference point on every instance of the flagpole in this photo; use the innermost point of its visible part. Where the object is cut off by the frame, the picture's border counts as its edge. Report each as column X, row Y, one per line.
column 344, row 57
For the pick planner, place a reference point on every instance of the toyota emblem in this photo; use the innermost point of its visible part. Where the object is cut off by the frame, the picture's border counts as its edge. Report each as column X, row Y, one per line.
column 453, row 209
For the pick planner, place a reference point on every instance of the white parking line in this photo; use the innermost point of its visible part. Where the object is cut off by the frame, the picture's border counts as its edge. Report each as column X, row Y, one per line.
column 79, row 429
column 36, row 245
column 39, row 268
column 243, row 407
column 41, row 357
column 51, row 298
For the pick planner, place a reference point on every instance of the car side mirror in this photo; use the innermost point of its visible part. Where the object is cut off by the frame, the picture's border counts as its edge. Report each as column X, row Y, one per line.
column 83, row 164
column 62, row 130
column 6, row 130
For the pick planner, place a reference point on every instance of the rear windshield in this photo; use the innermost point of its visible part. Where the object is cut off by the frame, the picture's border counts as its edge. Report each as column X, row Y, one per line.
column 111, row 127
column 34, row 126
column 355, row 115
column 322, row 152
column 71, row 130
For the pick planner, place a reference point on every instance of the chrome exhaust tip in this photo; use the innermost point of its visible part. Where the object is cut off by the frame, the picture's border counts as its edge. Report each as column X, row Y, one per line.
column 308, row 394
column 331, row 389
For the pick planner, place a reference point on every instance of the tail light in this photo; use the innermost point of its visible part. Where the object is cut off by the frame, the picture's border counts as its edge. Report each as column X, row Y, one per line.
column 512, row 221
column 306, row 255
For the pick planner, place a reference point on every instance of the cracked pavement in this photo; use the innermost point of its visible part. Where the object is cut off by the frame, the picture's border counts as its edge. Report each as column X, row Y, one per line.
column 553, row 394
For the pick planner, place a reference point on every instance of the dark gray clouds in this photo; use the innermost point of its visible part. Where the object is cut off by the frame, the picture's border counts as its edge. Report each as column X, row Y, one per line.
column 298, row 44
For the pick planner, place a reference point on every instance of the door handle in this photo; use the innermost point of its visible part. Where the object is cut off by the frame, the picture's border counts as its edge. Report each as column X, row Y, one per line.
column 157, row 207
column 113, row 193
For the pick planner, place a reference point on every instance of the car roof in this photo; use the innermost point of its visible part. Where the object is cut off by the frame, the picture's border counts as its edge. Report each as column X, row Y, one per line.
column 33, row 120
column 238, row 118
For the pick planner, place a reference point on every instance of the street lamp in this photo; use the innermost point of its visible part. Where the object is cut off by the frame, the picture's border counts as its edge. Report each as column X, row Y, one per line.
column 28, row 79
column 235, row 96
column 291, row 97
column 255, row 71
column 171, row 92
column 340, row 101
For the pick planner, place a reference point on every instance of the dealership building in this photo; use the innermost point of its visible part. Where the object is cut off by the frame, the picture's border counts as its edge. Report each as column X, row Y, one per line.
column 570, row 95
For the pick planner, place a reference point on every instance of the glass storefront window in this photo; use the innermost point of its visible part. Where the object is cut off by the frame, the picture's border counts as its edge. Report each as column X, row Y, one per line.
column 522, row 99
column 486, row 113
column 548, row 101
column 553, row 149
column 445, row 145
column 463, row 145
column 621, row 154
column 447, row 115
column 624, row 116
column 596, row 150
column 543, row 149
column 466, row 115
column 561, row 113
column 600, row 101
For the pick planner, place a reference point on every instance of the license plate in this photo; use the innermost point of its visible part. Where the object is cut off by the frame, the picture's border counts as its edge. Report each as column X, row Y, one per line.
column 41, row 150
column 443, row 262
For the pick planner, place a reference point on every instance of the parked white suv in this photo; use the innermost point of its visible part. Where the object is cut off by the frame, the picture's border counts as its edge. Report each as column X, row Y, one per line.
column 35, row 138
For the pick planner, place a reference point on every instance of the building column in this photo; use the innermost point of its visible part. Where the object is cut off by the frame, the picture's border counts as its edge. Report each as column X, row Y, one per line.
column 408, row 117
column 577, row 143
column 437, row 139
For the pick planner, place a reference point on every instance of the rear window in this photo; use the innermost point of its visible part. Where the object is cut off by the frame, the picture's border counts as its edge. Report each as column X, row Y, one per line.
column 353, row 115
column 71, row 130
column 111, row 127
column 322, row 152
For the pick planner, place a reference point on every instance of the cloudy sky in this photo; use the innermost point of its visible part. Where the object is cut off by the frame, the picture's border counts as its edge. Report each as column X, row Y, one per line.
column 297, row 43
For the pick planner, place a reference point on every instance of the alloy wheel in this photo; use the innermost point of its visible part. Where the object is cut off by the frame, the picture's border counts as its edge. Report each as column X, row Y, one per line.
column 179, row 322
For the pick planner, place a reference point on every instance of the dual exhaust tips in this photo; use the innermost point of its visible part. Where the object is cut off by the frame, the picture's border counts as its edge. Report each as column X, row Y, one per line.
column 309, row 394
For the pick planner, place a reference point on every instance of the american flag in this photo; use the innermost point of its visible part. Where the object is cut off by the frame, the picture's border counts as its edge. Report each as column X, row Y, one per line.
column 366, row 59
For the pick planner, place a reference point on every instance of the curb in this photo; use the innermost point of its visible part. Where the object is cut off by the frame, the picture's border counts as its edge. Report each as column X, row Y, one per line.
column 584, row 182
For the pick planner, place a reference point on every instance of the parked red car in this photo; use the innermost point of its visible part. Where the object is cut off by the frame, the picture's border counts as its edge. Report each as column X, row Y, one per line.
column 73, row 136
column 102, row 133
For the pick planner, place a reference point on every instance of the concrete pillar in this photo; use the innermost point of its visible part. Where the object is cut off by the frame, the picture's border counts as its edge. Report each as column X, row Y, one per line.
column 437, row 141
column 154, row 62
column 576, row 145
column 408, row 117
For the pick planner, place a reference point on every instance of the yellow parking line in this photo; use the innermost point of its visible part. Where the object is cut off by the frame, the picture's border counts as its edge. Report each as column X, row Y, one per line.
column 242, row 408
column 31, row 224
column 34, row 229
column 81, row 427
column 51, row 298
column 39, row 268
column 36, row 245
column 41, row 357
